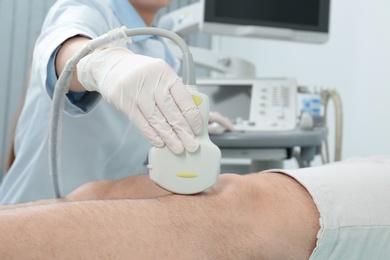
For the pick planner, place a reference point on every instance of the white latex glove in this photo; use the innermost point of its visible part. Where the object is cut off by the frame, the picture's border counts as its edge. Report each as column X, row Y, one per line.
column 148, row 91
column 219, row 124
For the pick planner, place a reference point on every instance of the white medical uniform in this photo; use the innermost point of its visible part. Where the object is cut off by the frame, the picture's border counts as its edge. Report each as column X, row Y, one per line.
column 97, row 141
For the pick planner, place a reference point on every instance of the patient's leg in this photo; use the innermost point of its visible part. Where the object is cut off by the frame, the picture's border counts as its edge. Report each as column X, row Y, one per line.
column 242, row 217
column 288, row 220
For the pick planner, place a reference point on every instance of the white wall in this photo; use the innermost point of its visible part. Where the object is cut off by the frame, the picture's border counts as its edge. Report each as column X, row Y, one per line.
column 355, row 62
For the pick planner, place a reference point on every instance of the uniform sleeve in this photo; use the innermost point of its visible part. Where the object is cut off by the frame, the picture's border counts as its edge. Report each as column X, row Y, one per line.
column 77, row 103
column 67, row 19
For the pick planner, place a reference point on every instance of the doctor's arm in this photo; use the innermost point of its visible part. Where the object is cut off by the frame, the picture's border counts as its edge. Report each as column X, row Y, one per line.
column 66, row 51
column 145, row 89
column 243, row 217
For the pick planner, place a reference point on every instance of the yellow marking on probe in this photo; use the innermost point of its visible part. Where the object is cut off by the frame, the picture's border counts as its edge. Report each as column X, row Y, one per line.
column 187, row 175
column 197, row 100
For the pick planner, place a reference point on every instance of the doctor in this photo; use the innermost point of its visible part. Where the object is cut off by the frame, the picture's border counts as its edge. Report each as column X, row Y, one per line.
column 122, row 99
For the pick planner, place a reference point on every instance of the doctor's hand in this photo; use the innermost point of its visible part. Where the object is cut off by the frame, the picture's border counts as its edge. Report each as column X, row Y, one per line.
column 218, row 124
column 148, row 91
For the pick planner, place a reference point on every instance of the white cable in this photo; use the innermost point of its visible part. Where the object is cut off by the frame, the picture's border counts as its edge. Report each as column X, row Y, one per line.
column 339, row 124
column 325, row 157
column 113, row 37
column 335, row 97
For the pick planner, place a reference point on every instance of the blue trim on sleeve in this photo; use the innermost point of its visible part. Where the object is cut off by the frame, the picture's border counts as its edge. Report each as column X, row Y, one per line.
column 51, row 79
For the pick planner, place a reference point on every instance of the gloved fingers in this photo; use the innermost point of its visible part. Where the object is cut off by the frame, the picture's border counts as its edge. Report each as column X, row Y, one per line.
column 215, row 129
column 215, row 117
column 182, row 131
column 154, row 127
column 132, row 83
column 158, row 122
column 177, row 121
column 146, row 129
column 187, row 106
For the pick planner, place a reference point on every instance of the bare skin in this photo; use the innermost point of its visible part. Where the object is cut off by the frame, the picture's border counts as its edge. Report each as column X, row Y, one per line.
column 133, row 187
column 149, row 8
column 256, row 216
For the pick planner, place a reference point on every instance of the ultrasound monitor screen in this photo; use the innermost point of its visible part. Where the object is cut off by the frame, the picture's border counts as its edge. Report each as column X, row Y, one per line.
column 230, row 101
column 311, row 15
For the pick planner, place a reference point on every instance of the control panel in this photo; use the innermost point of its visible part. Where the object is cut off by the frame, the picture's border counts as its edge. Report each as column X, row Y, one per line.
column 260, row 104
